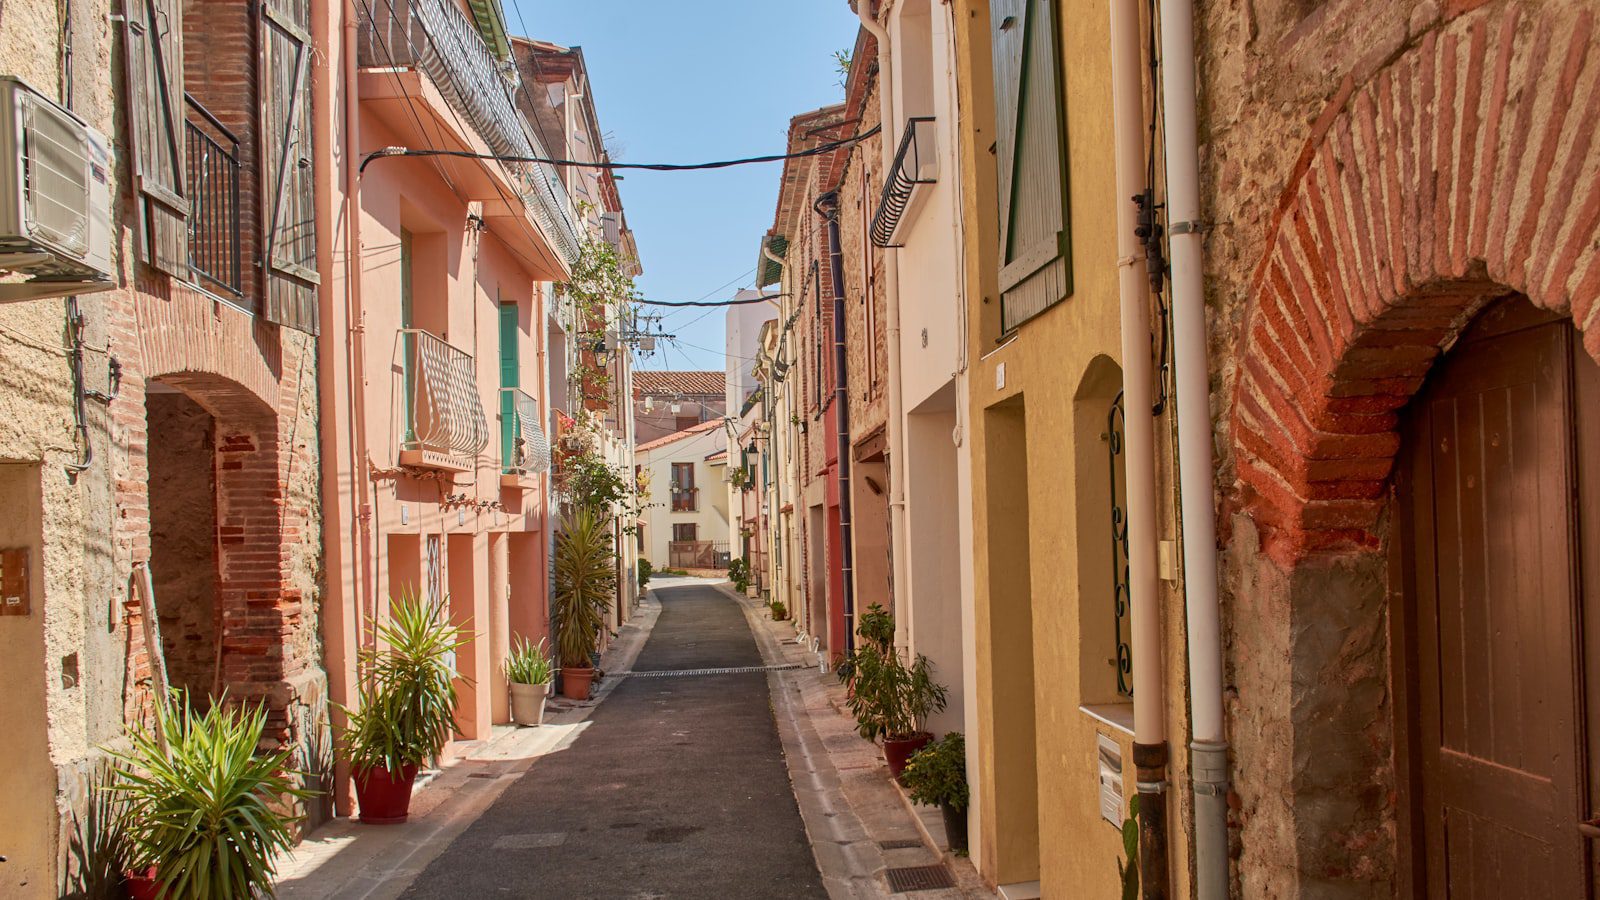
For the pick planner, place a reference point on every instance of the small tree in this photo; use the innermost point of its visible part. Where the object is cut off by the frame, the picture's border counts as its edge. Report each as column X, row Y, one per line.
column 585, row 581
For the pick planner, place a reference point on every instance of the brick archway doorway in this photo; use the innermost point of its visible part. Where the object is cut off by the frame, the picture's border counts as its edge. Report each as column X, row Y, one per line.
column 1495, row 483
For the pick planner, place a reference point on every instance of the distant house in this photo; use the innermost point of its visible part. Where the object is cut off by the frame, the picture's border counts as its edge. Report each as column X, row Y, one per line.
column 685, row 521
column 665, row 403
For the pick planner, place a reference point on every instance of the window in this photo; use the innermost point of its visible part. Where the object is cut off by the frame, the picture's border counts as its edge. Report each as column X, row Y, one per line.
column 685, row 532
column 685, row 497
column 1035, row 271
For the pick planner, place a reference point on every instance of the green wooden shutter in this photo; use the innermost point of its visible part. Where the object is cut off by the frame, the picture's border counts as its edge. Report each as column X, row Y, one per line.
column 154, row 63
column 1035, row 270
column 510, row 377
column 289, row 245
column 408, row 341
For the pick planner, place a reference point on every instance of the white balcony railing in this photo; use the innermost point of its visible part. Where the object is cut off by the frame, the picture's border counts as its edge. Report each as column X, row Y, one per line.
column 444, row 421
column 524, row 450
column 436, row 37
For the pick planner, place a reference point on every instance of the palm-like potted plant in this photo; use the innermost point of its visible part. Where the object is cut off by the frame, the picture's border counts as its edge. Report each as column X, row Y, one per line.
column 408, row 701
column 528, row 671
column 585, row 581
column 202, row 813
column 890, row 699
column 936, row 775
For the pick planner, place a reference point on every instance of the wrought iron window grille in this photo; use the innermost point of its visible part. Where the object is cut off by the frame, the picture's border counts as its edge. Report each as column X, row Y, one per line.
column 527, row 449
column 1120, row 576
column 915, row 162
column 447, row 417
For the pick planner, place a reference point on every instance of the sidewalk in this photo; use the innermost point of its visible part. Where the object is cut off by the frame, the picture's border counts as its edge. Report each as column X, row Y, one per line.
column 860, row 822
column 344, row 860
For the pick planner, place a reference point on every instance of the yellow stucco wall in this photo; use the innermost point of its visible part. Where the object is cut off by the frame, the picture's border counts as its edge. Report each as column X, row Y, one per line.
column 1043, row 600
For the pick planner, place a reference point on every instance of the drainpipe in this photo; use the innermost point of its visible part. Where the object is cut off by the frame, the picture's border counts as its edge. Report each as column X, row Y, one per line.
column 841, row 402
column 357, row 317
column 901, row 584
column 1149, row 700
column 1195, row 467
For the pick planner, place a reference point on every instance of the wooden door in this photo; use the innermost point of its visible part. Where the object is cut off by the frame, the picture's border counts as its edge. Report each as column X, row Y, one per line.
column 1487, row 488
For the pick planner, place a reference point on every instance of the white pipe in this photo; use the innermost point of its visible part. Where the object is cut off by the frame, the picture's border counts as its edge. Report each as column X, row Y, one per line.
column 1195, row 466
column 891, row 285
column 1149, row 700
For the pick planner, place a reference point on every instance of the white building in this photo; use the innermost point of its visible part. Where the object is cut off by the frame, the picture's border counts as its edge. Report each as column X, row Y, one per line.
column 685, row 522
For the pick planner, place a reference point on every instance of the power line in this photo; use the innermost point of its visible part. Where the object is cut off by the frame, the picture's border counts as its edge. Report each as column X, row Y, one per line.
column 711, row 303
column 654, row 167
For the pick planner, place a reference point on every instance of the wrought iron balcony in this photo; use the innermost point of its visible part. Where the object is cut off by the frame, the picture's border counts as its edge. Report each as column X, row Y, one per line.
column 437, row 38
column 685, row 499
column 212, row 155
column 445, row 425
column 524, row 449
column 916, row 162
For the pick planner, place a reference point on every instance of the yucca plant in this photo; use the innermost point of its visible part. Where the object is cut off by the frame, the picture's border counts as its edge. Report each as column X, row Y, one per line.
column 585, row 581
column 528, row 663
column 207, row 812
column 408, row 692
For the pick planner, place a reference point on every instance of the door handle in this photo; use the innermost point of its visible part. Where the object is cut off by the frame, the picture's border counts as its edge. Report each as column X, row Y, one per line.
column 1590, row 828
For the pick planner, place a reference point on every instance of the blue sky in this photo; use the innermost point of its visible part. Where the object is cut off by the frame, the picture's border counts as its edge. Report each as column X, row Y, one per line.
column 689, row 82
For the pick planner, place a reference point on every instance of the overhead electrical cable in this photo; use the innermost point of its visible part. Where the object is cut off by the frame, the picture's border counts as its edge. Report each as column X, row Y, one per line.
column 828, row 147
column 711, row 303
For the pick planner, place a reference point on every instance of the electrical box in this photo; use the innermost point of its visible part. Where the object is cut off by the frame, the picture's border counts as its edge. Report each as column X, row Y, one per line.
column 14, row 598
column 55, row 197
column 1110, row 772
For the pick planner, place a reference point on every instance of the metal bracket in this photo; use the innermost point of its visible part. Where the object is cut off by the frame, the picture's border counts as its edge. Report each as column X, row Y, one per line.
column 1194, row 227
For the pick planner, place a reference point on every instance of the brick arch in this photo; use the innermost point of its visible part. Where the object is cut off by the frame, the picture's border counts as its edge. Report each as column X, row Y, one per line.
column 1461, row 171
column 259, row 612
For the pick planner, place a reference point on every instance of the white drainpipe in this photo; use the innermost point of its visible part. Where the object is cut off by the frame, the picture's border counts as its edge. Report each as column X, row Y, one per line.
column 1149, row 698
column 1195, row 466
column 891, row 288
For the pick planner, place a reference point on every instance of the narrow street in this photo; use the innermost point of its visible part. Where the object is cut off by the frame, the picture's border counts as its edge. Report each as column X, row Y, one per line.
column 677, row 787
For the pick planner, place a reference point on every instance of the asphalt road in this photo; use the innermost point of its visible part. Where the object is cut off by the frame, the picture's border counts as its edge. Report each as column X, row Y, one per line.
column 676, row 789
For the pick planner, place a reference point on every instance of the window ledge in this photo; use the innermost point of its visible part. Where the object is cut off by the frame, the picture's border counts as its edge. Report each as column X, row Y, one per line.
column 1117, row 715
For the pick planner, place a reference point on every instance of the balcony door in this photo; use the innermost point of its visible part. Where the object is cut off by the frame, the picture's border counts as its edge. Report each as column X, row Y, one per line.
column 1500, row 580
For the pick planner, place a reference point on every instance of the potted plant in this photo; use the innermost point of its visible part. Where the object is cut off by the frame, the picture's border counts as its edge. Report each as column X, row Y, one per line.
column 585, row 581
column 936, row 775
column 408, row 701
column 202, row 814
column 889, row 698
column 779, row 610
column 528, row 671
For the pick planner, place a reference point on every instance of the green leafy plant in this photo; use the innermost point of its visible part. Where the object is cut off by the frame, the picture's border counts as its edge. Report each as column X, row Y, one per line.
column 408, row 692
column 528, row 663
column 200, row 806
column 739, row 574
column 888, row 698
column 1128, row 871
column 936, row 775
column 646, row 569
column 876, row 626
column 585, row 582
column 779, row 610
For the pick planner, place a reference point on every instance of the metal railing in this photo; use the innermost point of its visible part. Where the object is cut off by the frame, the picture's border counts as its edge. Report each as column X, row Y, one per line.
column 437, row 38
column 686, row 500
column 524, row 448
column 692, row 554
column 916, row 162
column 212, row 160
column 444, row 413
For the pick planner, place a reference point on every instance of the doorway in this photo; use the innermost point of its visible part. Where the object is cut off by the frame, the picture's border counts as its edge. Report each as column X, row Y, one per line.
column 1496, row 486
column 183, row 542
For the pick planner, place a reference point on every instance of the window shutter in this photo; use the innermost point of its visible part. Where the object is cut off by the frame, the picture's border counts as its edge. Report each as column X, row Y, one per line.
column 154, row 58
column 1035, row 271
column 509, row 378
column 289, row 253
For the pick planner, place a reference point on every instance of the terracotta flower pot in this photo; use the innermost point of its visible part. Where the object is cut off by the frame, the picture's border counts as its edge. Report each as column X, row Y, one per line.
column 527, row 703
column 384, row 796
column 898, row 750
column 955, row 828
column 142, row 885
column 575, row 682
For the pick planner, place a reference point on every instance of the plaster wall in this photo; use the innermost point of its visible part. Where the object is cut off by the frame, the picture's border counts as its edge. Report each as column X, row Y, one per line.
column 1040, row 597
column 711, row 520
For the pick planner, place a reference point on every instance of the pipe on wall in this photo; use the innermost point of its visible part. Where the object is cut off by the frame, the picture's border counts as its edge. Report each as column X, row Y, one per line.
column 1195, row 465
column 827, row 206
column 1149, row 699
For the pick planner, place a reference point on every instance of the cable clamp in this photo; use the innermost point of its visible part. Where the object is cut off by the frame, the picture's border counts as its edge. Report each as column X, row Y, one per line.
column 1210, row 790
column 1128, row 261
column 1193, row 227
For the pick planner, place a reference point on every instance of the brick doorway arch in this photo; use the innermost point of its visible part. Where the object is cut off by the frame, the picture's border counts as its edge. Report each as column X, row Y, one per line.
column 1459, row 173
column 217, row 547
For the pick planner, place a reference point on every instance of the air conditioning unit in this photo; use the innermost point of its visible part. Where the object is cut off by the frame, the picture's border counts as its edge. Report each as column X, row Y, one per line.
column 55, row 197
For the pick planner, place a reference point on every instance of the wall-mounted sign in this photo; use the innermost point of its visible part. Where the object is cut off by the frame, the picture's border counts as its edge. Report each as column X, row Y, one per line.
column 1110, row 780
column 14, row 599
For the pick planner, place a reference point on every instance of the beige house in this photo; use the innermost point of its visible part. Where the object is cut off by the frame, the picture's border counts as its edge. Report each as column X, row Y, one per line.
column 685, row 521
